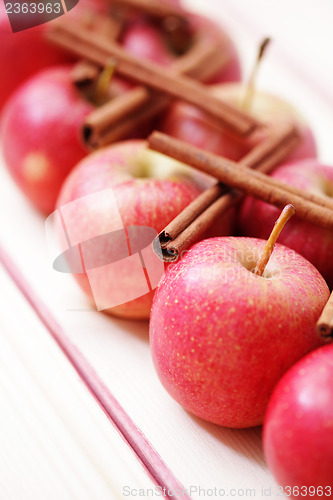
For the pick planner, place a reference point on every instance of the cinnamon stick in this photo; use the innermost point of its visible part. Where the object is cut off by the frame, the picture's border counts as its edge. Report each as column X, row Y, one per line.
column 250, row 181
column 113, row 24
column 101, row 128
column 199, row 215
column 274, row 149
column 100, row 121
column 126, row 125
column 85, row 73
column 325, row 322
column 191, row 212
column 203, row 59
column 155, row 8
column 78, row 40
column 173, row 20
column 174, row 240
column 178, row 33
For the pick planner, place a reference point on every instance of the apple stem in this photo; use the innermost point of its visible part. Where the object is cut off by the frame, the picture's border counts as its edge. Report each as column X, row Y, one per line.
column 285, row 215
column 103, row 81
column 250, row 88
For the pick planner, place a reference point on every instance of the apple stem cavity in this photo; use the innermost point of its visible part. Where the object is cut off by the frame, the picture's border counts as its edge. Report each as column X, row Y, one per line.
column 285, row 215
column 103, row 82
column 251, row 85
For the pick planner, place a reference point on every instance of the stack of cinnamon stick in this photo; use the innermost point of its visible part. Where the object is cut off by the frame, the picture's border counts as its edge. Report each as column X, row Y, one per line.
column 120, row 116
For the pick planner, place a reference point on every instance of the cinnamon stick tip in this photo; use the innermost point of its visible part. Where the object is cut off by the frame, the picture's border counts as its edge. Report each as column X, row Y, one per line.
column 324, row 330
column 87, row 133
column 157, row 248
column 162, row 251
column 163, row 239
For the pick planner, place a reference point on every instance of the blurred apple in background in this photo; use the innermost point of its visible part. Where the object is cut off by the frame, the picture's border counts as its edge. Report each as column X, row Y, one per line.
column 150, row 190
column 40, row 137
column 231, row 71
column 188, row 123
column 24, row 53
column 313, row 242
column 41, row 132
column 221, row 336
column 146, row 39
column 298, row 427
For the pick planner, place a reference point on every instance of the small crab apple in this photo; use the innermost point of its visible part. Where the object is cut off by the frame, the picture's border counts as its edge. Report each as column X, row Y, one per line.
column 255, row 217
column 298, row 427
column 192, row 125
column 42, row 129
column 41, row 134
column 147, row 40
column 226, row 323
column 24, row 53
column 150, row 190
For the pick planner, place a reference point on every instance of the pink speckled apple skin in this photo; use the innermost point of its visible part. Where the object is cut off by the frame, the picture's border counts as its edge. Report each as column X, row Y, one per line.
column 298, row 427
column 221, row 337
column 313, row 242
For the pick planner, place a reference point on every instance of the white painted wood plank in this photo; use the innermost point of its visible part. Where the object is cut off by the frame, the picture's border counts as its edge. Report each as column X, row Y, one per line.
column 54, row 440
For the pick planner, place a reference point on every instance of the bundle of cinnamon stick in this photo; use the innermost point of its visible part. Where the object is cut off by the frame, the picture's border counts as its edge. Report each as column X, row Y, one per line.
column 96, row 45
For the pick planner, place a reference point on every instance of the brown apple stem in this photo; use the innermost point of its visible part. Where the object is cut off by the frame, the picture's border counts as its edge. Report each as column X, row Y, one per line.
column 250, row 88
column 285, row 215
column 103, row 82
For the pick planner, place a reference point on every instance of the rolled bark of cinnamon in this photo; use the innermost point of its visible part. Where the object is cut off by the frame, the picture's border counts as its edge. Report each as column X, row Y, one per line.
column 79, row 40
column 125, row 126
column 202, row 212
column 155, row 8
column 85, row 73
column 325, row 322
column 312, row 208
column 122, row 115
column 169, row 247
column 191, row 212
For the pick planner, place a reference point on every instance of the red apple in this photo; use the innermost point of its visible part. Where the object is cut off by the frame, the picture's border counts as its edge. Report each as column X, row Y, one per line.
column 313, row 242
column 195, row 127
column 146, row 40
column 41, row 134
column 149, row 189
column 221, row 336
column 231, row 72
column 24, row 53
column 298, row 428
